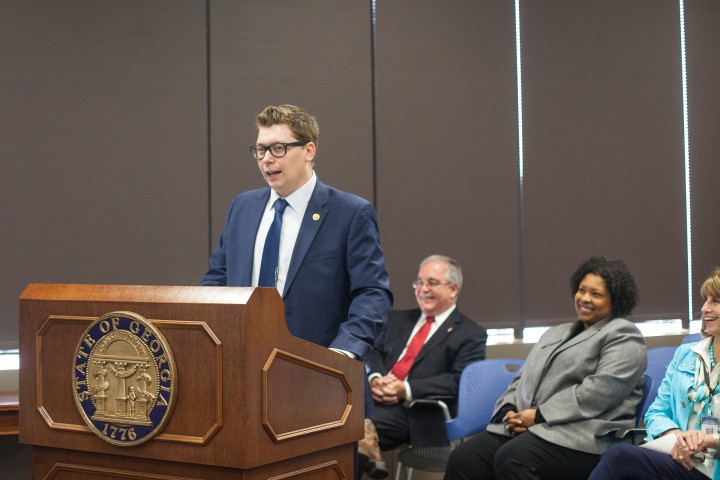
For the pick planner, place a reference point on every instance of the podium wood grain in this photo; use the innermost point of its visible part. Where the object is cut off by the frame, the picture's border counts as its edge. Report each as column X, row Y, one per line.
column 252, row 402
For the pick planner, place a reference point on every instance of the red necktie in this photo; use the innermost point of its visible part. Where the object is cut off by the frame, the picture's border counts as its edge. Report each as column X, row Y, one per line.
column 402, row 367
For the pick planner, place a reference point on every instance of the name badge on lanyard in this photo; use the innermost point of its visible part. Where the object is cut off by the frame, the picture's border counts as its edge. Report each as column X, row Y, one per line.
column 710, row 425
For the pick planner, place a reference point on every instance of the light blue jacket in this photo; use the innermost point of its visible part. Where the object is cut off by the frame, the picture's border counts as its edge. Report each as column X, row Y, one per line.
column 672, row 409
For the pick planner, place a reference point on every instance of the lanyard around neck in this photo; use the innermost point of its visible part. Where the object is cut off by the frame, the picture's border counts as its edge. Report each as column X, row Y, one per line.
column 707, row 378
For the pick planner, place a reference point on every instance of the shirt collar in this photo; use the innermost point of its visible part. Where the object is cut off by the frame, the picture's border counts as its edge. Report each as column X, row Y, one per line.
column 442, row 316
column 299, row 199
column 703, row 348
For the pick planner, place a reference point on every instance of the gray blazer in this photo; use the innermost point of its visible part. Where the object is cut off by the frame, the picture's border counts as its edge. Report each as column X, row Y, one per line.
column 586, row 386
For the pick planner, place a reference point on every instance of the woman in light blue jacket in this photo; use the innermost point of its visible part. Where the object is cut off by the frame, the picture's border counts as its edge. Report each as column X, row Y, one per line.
column 687, row 405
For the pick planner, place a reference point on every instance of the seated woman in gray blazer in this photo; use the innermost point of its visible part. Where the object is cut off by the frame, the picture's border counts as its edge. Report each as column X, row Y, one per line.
column 580, row 383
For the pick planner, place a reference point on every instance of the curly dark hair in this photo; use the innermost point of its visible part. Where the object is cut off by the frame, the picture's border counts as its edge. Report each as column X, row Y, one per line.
column 618, row 280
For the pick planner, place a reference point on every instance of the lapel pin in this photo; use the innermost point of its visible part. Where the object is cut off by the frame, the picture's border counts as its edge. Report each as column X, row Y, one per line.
column 450, row 329
column 316, row 216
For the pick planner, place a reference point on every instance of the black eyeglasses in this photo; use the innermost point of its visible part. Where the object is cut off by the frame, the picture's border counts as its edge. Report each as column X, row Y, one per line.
column 277, row 150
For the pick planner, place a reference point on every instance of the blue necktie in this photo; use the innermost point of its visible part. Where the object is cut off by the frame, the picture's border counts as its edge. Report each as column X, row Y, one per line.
column 269, row 265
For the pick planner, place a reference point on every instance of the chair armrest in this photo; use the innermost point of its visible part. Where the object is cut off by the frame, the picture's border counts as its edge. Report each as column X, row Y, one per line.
column 637, row 435
column 439, row 402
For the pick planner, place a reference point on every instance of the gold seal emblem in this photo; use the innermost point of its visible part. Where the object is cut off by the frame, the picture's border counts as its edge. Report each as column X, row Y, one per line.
column 124, row 379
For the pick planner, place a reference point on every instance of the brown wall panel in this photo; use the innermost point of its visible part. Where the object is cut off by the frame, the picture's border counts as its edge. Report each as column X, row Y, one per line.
column 125, row 129
column 314, row 54
column 103, row 132
column 603, row 150
column 703, row 71
column 447, row 147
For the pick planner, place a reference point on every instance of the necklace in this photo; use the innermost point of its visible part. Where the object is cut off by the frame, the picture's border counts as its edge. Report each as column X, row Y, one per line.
column 712, row 356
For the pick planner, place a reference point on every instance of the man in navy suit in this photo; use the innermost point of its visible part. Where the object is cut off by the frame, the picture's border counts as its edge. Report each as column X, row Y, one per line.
column 450, row 341
column 330, row 267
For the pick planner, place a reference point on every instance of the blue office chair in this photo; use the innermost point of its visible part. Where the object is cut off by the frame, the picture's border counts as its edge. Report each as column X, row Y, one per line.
column 658, row 360
column 637, row 434
column 481, row 384
column 692, row 338
column 647, row 399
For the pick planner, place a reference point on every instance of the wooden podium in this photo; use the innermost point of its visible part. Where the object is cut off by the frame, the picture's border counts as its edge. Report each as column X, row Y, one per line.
column 252, row 401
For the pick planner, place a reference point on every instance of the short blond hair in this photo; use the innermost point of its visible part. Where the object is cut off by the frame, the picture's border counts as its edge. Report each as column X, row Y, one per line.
column 711, row 285
column 710, row 288
column 301, row 123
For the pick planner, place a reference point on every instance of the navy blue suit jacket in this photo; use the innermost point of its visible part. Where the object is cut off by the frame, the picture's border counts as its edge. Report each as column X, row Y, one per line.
column 437, row 368
column 337, row 291
column 435, row 372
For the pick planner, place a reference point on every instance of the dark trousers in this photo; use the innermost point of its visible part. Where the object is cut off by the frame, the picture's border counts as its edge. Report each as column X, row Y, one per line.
column 631, row 462
column 488, row 456
column 368, row 401
column 421, row 425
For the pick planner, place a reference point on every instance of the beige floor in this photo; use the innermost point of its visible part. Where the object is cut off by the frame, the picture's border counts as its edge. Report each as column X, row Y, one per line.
column 391, row 459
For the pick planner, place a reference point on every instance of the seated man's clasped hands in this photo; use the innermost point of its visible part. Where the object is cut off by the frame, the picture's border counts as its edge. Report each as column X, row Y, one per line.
column 388, row 389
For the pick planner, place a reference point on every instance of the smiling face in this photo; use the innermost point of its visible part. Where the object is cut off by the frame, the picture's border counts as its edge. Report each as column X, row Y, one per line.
column 285, row 174
column 433, row 293
column 711, row 316
column 592, row 300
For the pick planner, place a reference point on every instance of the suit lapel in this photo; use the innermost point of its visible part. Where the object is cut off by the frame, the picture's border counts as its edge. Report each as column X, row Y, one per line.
column 549, row 349
column 440, row 334
column 312, row 221
column 403, row 336
column 583, row 336
column 247, row 236
column 560, row 344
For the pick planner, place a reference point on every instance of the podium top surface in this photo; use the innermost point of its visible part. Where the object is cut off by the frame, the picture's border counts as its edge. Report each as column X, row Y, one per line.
column 139, row 293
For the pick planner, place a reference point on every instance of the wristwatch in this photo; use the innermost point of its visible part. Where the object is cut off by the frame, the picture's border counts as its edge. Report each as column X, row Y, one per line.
column 716, row 440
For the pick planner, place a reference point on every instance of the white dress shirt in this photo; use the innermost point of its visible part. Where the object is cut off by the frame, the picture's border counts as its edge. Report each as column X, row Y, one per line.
column 292, row 219
column 439, row 320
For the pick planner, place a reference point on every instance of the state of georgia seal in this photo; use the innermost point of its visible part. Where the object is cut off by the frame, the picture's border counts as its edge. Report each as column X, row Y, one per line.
column 124, row 379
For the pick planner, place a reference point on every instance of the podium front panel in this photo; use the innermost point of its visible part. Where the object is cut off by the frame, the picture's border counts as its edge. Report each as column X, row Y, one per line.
column 249, row 394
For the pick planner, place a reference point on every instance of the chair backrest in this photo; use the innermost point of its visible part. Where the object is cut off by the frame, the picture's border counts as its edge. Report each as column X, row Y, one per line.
column 647, row 399
column 481, row 384
column 658, row 360
column 692, row 338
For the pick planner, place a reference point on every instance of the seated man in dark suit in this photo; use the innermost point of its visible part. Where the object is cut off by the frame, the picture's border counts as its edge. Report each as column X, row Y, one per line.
column 420, row 353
